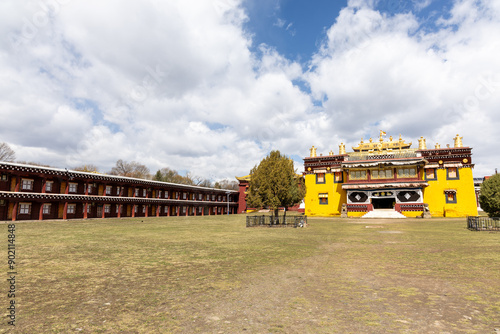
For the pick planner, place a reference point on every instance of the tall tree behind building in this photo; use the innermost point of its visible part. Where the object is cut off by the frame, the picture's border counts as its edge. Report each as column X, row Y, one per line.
column 274, row 183
column 130, row 169
column 6, row 153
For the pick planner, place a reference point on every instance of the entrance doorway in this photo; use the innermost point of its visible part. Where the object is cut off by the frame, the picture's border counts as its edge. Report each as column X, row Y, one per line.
column 383, row 203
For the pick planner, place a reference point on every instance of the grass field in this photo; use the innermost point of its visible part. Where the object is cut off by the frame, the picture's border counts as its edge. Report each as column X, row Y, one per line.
column 213, row 275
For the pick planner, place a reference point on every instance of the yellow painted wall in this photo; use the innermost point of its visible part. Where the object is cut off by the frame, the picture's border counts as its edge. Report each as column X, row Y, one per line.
column 466, row 196
column 336, row 196
column 412, row 214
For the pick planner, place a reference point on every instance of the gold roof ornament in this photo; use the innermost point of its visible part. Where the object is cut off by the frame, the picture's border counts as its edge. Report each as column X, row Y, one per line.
column 382, row 145
column 458, row 141
column 421, row 144
column 342, row 147
column 437, row 146
column 331, row 152
column 313, row 152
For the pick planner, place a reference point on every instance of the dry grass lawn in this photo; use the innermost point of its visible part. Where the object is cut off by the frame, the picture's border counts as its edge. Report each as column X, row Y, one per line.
column 213, row 275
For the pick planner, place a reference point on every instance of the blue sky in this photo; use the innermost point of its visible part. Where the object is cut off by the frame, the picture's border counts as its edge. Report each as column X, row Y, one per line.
column 297, row 28
column 211, row 87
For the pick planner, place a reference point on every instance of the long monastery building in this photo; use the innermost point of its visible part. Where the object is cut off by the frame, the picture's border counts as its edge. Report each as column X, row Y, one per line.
column 37, row 193
column 390, row 175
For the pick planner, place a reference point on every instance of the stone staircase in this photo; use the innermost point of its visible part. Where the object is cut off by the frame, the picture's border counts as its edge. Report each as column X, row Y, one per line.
column 383, row 213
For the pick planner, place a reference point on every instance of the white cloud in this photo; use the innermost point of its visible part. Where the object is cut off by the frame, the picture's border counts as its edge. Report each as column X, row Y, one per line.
column 175, row 83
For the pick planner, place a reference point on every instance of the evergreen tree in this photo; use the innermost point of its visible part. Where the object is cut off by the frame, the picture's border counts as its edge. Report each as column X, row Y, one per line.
column 490, row 196
column 274, row 183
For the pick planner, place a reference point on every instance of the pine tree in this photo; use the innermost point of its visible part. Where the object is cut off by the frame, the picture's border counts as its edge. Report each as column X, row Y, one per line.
column 274, row 183
column 490, row 196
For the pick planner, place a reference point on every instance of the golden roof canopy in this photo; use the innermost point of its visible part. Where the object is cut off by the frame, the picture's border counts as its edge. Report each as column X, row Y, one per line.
column 382, row 145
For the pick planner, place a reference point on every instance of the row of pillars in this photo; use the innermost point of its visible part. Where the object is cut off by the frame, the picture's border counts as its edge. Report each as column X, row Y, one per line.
column 120, row 207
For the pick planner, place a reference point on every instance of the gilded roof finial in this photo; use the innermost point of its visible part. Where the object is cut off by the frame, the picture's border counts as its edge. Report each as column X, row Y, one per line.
column 437, row 145
column 313, row 152
column 342, row 148
column 331, row 152
column 458, row 141
column 421, row 144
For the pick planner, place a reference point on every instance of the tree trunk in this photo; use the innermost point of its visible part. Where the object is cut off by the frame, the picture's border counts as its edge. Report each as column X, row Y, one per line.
column 276, row 213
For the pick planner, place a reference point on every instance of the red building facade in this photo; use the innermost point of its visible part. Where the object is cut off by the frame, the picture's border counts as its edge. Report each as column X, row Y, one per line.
column 36, row 193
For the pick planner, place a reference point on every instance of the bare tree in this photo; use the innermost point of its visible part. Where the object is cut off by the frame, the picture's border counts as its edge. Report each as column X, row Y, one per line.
column 130, row 169
column 87, row 168
column 227, row 184
column 6, row 153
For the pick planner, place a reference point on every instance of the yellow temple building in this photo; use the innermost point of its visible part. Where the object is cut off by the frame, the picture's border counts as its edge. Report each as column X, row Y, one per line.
column 389, row 175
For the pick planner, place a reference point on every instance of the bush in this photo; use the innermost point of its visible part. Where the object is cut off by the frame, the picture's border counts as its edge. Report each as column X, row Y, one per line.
column 490, row 196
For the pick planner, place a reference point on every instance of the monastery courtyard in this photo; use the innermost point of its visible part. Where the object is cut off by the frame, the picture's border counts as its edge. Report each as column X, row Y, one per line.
column 212, row 275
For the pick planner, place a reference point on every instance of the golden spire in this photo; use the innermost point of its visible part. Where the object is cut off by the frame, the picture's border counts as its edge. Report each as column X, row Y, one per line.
column 313, row 152
column 342, row 148
column 421, row 144
column 458, row 141
column 437, row 145
column 331, row 152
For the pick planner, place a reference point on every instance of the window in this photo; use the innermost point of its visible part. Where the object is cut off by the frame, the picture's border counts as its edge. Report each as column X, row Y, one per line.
column 218, row 198
column 143, row 209
column 136, row 192
column 213, row 197
column 24, row 208
column 166, row 194
column 107, row 208
column 135, row 208
column 88, row 188
column 118, row 190
column 108, row 190
column 144, row 192
column 27, row 184
column 184, row 195
column 46, row 208
column 451, row 196
column 382, row 174
column 184, row 209
column 200, row 197
column 71, row 208
column 159, row 193
column 338, row 177
column 452, row 173
column 88, row 208
column 323, row 198
column 407, row 172
column 4, row 177
column 73, row 187
column 166, row 209
column 430, row 174
column 357, row 175
column 48, row 185
column 320, row 178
